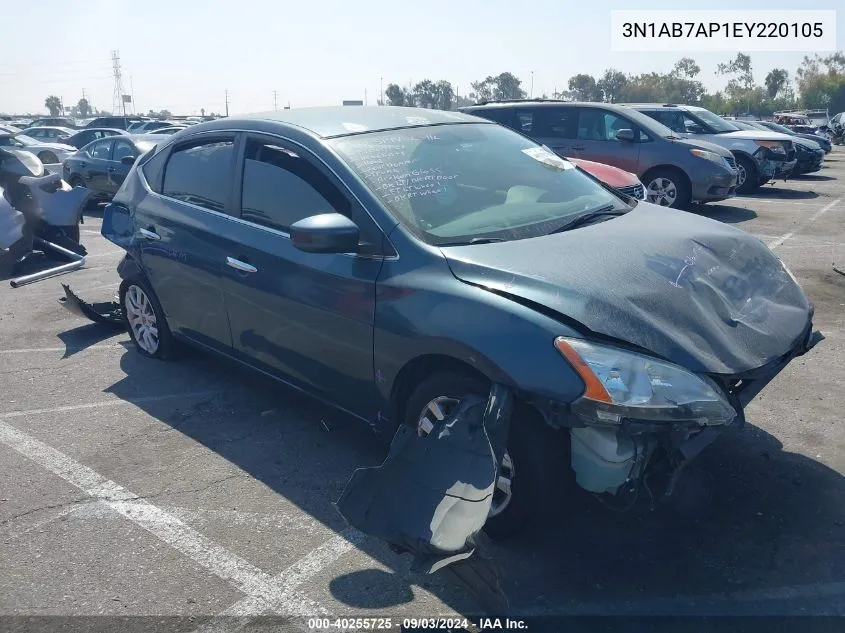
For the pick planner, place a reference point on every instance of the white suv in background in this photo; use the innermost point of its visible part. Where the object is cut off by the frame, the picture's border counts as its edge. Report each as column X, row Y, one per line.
column 760, row 156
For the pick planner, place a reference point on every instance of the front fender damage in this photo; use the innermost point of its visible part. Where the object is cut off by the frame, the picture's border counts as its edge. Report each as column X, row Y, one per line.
column 432, row 495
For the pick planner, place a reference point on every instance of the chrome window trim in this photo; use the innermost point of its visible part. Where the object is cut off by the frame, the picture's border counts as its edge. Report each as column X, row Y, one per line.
column 284, row 234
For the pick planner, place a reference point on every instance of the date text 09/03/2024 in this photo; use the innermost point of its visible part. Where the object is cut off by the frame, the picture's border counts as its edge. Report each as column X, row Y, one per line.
column 416, row 624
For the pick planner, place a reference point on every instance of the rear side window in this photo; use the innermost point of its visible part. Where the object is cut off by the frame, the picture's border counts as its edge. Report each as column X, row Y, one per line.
column 201, row 174
column 280, row 188
column 554, row 123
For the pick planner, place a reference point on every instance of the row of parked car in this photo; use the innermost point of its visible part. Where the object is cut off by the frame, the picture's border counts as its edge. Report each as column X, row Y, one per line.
column 682, row 154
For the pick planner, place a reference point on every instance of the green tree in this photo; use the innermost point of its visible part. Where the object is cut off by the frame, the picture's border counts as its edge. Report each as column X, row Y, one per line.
column 776, row 81
column 425, row 94
column 83, row 107
column 396, row 96
column 584, row 87
column 612, row 85
column 741, row 85
column 445, row 95
column 502, row 86
column 54, row 105
column 686, row 68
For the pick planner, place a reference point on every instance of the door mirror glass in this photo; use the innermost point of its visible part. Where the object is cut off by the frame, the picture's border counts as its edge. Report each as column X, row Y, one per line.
column 128, row 160
column 692, row 128
column 325, row 233
column 626, row 135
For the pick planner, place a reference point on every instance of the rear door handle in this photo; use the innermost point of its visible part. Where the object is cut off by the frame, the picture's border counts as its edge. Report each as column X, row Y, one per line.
column 241, row 266
column 150, row 235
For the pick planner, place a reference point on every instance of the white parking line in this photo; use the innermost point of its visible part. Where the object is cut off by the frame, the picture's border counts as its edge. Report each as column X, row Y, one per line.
column 263, row 593
column 107, row 403
column 45, row 350
column 775, row 243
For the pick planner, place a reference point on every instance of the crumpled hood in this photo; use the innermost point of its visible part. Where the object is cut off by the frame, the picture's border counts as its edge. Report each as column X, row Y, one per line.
column 697, row 292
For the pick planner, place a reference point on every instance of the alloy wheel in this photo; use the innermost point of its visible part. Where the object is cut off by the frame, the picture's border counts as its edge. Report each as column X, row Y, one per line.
column 741, row 174
column 142, row 319
column 662, row 191
column 439, row 409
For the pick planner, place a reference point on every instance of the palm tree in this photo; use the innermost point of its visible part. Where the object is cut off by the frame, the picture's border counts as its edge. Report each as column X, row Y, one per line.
column 54, row 105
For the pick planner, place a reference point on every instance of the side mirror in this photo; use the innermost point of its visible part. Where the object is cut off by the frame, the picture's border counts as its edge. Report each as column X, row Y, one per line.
column 694, row 129
column 128, row 160
column 325, row 233
column 626, row 135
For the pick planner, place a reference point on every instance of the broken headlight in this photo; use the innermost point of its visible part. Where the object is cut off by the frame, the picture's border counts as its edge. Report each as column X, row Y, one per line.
column 622, row 384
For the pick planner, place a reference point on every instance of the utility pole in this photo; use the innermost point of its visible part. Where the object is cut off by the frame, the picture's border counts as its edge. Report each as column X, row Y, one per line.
column 226, row 92
column 381, row 90
column 275, row 104
column 365, row 96
column 532, row 85
column 132, row 92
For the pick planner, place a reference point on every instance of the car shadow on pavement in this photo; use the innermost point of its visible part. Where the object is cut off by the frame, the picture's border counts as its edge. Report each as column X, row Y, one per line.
column 724, row 213
column 81, row 338
column 813, row 177
column 781, row 193
column 750, row 517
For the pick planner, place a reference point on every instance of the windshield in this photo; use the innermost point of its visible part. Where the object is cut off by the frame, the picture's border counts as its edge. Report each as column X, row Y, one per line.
column 450, row 184
column 779, row 128
column 27, row 140
column 717, row 123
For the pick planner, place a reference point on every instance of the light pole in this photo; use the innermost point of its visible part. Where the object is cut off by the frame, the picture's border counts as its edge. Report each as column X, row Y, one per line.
column 532, row 84
column 381, row 90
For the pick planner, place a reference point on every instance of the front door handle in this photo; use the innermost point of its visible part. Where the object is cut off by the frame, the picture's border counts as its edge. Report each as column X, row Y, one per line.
column 579, row 148
column 150, row 235
column 241, row 266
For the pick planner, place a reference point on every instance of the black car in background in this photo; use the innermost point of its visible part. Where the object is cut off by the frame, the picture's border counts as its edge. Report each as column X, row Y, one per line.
column 119, row 122
column 824, row 143
column 102, row 166
column 55, row 121
column 89, row 135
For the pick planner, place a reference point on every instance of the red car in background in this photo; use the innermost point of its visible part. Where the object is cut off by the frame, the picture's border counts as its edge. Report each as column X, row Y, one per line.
column 624, row 181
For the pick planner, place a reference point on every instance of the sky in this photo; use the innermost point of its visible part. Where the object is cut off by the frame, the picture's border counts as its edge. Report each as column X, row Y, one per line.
column 183, row 55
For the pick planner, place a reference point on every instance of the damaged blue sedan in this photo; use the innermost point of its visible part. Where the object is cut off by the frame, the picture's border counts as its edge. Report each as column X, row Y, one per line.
column 396, row 262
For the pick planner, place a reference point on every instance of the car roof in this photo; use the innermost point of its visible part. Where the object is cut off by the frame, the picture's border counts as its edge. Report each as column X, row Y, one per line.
column 52, row 127
column 333, row 121
column 680, row 106
column 101, row 129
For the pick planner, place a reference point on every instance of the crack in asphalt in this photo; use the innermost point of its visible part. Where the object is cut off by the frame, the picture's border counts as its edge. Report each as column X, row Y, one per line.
column 51, row 506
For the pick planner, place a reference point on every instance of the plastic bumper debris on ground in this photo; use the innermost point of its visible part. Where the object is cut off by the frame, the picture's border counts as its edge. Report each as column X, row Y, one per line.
column 432, row 495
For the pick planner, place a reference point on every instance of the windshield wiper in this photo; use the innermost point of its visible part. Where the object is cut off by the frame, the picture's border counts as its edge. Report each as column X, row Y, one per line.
column 475, row 240
column 584, row 218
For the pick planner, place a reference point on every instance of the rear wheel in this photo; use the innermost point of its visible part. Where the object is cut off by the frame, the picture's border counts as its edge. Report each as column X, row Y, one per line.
column 524, row 470
column 747, row 178
column 145, row 321
column 667, row 188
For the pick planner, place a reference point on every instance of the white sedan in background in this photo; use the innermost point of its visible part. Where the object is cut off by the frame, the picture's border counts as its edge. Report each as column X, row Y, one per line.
column 47, row 153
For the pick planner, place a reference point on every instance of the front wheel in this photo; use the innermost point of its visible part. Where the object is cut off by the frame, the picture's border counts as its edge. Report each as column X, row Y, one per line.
column 144, row 320
column 747, row 179
column 525, row 470
column 48, row 158
column 667, row 188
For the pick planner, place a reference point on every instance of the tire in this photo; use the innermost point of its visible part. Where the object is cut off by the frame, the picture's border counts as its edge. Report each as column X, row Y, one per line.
column 139, row 315
column 76, row 181
column 747, row 170
column 527, row 463
column 48, row 158
column 667, row 188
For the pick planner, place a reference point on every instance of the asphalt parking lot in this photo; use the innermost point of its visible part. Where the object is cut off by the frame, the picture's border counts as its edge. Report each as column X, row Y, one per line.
column 194, row 488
